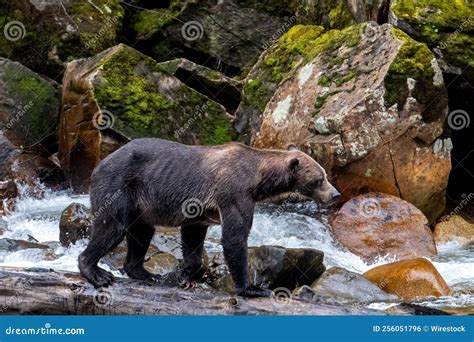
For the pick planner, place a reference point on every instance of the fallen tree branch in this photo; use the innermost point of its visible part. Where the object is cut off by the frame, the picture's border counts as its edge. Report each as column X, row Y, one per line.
column 49, row 292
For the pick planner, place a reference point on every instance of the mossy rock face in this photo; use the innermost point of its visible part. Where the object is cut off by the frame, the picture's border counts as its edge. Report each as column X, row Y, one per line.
column 122, row 94
column 447, row 26
column 363, row 101
column 56, row 31
column 29, row 106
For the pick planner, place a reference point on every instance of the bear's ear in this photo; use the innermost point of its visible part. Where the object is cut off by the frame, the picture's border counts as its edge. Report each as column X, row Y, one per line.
column 292, row 147
column 293, row 163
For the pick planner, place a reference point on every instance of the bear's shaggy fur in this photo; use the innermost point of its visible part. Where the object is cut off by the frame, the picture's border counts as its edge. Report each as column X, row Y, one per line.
column 151, row 182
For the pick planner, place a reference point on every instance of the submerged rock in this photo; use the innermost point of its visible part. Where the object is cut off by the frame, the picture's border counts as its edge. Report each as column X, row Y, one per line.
column 454, row 228
column 409, row 279
column 340, row 286
column 74, row 224
column 378, row 225
column 45, row 34
column 12, row 245
column 121, row 94
column 359, row 100
column 275, row 267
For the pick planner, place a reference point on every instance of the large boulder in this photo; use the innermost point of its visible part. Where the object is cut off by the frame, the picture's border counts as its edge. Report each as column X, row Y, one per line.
column 274, row 267
column 446, row 26
column 56, row 31
column 340, row 286
column 454, row 228
column 121, row 94
column 409, row 279
column 368, row 102
column 378, row 225
column 74, row 224
column 29, row 108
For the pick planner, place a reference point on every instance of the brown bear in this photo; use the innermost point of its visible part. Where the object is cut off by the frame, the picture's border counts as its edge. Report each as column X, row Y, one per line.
column 151, row 182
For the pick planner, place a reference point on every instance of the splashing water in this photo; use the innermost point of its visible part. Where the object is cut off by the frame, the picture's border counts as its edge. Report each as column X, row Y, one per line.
column 291, row 225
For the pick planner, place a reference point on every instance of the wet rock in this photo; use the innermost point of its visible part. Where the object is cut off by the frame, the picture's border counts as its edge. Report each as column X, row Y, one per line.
column 168, row 240
column 454, row 228
column 377, row 225
column 276, row 267
column 8, row 194
column 116, row 258
column 73, row 29
column 409, row 279
column 161, row 263
column 29, row 108
column 356, row 102
column 12, row 245
column 414, row 309
column 340, row 286
column 74, row 224
column 121, row 94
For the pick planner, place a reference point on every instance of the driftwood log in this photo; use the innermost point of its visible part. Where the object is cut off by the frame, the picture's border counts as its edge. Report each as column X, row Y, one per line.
column 33, row 291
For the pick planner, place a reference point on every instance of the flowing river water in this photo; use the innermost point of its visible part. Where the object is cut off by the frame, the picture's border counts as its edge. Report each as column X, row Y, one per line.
column 292, row 225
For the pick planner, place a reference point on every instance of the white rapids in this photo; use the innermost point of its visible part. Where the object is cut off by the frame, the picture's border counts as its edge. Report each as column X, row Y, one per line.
column 289, row 226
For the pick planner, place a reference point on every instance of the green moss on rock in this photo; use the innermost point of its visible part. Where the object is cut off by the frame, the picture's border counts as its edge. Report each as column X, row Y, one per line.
column 130, row 92
column 414, row 60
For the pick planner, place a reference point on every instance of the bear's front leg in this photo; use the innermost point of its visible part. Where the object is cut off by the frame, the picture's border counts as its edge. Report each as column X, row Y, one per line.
column 235, row 231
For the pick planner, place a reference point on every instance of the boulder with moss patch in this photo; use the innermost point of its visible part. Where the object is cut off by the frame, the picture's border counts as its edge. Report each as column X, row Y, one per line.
column 29, row 108
column 121, row 94
column 446, row 26
column 56, row 31
column 368, row 102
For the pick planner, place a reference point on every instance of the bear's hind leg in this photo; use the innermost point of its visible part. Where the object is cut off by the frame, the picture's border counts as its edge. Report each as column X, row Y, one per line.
column 105, row 237
column 139, row 236
column 192, row 240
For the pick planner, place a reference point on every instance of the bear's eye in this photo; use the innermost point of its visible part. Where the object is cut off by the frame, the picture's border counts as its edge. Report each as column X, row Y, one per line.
column 316, row 183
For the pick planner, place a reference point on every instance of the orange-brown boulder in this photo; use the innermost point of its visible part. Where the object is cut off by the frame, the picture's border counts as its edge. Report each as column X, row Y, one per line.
column 377, row 225
column 409, row 279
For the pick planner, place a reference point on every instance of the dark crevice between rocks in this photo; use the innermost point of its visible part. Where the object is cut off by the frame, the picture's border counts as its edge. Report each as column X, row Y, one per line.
column 225, row 94
column 460, row 183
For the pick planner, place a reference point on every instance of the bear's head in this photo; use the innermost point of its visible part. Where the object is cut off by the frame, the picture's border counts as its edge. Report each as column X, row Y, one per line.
column 296, row 173
column 310, row 178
